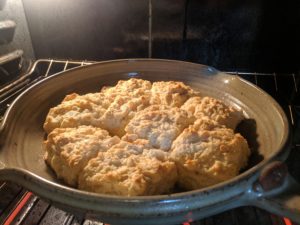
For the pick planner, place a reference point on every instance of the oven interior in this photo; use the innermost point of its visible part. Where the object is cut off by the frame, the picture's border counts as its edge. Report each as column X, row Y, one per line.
column 19, row 206
column 256, row 40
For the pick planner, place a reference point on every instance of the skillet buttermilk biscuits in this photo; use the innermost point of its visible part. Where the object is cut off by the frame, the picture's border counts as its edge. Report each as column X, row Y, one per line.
column 213, row 109
column 110, row 109
column 172, row 93
column 76, row 110
column 207, row 153
column 169, row 134
column 129, row 169
column 68, row 150
column 127, row 97
column 132, row 87
column 121, row 111
column 159, row 124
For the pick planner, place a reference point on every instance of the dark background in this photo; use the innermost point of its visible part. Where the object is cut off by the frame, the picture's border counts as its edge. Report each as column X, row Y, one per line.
column 250, row 35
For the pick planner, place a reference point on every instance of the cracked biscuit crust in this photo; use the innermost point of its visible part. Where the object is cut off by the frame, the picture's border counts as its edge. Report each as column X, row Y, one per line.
column 129, row 169
column 171, row 93
column 76, row 110
column 121, row 111
column 213, row 109
column 68, row 150
column 159, row 124
column 132, row 87
column 110, row 109
column 207, row 153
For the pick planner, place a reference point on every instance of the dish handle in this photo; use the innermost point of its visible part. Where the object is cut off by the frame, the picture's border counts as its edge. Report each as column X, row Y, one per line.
column 276, row 191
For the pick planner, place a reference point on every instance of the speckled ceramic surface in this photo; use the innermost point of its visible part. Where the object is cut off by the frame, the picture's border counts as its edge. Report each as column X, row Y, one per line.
column 21, row 155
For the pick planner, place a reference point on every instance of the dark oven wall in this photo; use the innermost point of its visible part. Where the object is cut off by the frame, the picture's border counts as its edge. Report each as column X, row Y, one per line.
column 253, row 35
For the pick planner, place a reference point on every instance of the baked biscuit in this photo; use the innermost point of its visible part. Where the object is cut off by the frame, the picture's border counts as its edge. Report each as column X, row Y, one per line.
column 171, row 93
column 191, row 104
column 96, row 98
column 214, row 110
column 207, row 153
column 129, row 169
column 159, row 124
column 169, row 134
column 132, row 87
column 68, row 150
column 127, row 97
column 76, row 110
column 121, row 111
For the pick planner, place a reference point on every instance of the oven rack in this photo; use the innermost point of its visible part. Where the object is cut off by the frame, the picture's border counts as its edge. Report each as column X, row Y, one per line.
column 18, row 206
column 285, row 88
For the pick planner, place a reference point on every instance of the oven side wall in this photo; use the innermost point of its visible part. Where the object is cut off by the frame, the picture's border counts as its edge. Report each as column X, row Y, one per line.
column 14, row 10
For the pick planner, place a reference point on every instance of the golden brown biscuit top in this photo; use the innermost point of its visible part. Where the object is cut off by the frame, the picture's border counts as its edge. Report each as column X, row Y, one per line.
column 165, row 127
column 128, row 169
column 68, row 150
column 170, row 93
column 213, row 109
column 132, row 87
column 159, row 125
column 208, row 140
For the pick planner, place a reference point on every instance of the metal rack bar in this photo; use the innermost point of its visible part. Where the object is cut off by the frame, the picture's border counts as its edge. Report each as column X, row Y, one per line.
column 48, row 69
column 66, row 65
column 295, row 83
column 257, row 74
